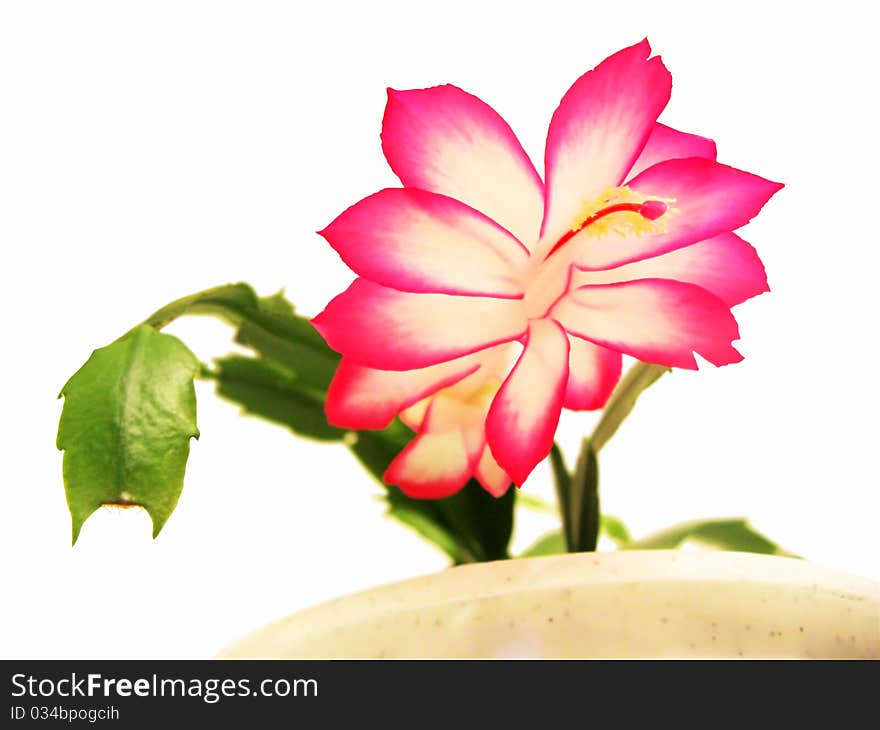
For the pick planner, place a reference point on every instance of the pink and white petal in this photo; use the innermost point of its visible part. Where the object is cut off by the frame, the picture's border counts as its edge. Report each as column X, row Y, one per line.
column 493, row 478
column 414, row 416
column 598, row 131
column 448, row 414
column 710, row 198
column 418, row 241
column 386, row 329
column 725, row 265
column 447, row 141
column 495, row 365
column 443, row 456
column 655, row 320
column 525, row 412
column 364, row 398
column 433, row 465
column 593, row 371
column 666, row 143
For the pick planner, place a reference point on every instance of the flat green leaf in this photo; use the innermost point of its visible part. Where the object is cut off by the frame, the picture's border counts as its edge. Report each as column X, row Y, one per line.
column 552, row 543
column 724, row 534
column 479, row 524
column 614, row 528
column 281, row 336
column 584, row 501
column 273, row 393
column 426, row 525
column 376, row 449
column 268, row 325
column 129, row 414
column 639, row 377
column 230, row 302
column 482, row 522
column 287, row 384
column 426, row 518
column 535, row 503
column 562, row 483
column 469, row 526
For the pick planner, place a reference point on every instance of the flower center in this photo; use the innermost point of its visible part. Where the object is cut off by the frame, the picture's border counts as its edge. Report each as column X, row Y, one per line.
column 618, row 211
column 621, row 211
column 468, row 400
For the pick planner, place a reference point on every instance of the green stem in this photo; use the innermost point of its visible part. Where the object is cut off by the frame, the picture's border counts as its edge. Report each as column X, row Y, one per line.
column 231, row 303
column 207, row 373
column 579, row 493
column 583, row 507
column 639, row 377
column 562, row 481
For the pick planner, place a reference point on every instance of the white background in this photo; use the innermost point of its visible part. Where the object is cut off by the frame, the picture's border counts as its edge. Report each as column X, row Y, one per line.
column 149, row 150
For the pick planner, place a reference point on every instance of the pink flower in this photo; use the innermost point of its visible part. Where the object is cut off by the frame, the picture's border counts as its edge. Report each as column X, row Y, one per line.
column 476, row 264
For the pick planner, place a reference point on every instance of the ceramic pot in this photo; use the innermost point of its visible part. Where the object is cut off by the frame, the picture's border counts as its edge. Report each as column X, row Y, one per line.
column 624, row 604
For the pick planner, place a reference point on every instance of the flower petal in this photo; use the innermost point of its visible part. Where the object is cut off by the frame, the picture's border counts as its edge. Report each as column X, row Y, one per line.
column 666, row 143
column 493, row 478
column 656, row 320
column 710, row 198
column 598, row 131
column 386, row 329
column 418, row 241
column 725, row 265
column 432, row 466
column 447, row 141
column 414, row 416
column 523, row 417
column 450, row 414
column 593, row 371
column 361, row 397
column 442, row 458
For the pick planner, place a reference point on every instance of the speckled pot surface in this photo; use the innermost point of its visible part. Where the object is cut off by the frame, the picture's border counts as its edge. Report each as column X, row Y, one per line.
column 611, row 605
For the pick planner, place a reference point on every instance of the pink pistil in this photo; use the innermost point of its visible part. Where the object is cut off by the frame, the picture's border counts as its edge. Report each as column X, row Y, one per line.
column 650, row 210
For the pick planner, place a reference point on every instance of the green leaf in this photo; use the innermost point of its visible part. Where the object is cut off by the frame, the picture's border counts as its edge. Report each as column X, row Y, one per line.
column 376, row 449
column 469, row 526
column 129, row 414
column 268, row 325
column 724, row 534
column 279, row 335
column 614, row 528
column 552, row 543
column 286, row 384
column 479, row 524
column 482, row 522
column 535, row 503
column 230, row 302
column 584, row 501
column 562, row 483
column 639, row 377
column 273, row 393
column 426, row 525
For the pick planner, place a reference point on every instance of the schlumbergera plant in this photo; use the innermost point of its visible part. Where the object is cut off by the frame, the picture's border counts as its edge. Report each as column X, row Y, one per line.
column 487, row 300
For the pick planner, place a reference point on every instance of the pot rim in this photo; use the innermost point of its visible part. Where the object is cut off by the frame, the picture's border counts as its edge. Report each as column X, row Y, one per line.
column 485, row 581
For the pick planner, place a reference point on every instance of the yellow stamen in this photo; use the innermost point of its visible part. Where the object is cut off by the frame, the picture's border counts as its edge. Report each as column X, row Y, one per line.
column 621, row 222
